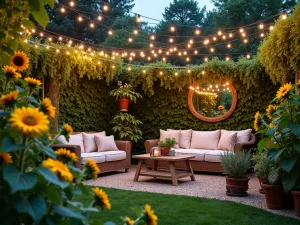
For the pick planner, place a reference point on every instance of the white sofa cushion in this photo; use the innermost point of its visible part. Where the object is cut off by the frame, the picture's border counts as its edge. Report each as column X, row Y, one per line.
column 170, row 134
column 199, row 153
column 115, row 155
column 105, row 143
column 76, row 139
column 205, row 139
column 243, row 135
column 185, row 138
column 98, row 157
column 89, row 141
column 214, row 155
column 227, row 140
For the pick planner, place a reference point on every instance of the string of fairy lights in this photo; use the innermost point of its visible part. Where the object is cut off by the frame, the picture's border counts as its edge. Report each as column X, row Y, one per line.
column 198, row 45
column 211, row 90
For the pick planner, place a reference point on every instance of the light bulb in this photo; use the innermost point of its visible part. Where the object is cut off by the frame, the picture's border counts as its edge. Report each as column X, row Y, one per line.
column 151, row 45
column 219, row 33
column 62, row 10
column 99, row 18
column 212, row 49
column 224, row 37
column 245, row 41
column 172, row 29
column 138, row 19
column 144, row 71
column 271, row 27
column 262, row 35
column 92, row 25
column 41, row 34
column 80, row 18
column 161, row 73
column 152, row 37
column 71, row 3
column 284, row 16
column 60, row 38
column 248, row 56
column 227, row 58
column 187, row 59
column 230, row 35
column 229, row 46
column 171, row 40
column 261, row 26
column 195, row 52
column 110, row 32
column 176, row 74
column 197, row 31
column 164, row 59
column 206, row 59
column 191, row 41
column 136, row 32
column 214, row 38
column 105, row 7
column 130, row 39
column 241, row 30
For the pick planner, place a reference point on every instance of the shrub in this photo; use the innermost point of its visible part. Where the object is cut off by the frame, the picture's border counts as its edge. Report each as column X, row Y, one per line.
column 262, row 164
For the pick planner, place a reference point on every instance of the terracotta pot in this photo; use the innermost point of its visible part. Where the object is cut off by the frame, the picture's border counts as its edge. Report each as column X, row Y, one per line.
column 123, row 104
column 164, row 151
column 296, row 195
column 260, row 180
column 237, row 186
column 275, row 196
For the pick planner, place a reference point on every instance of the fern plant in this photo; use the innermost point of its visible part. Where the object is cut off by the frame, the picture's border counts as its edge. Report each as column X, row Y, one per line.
column 127, row 127
column 125, row 91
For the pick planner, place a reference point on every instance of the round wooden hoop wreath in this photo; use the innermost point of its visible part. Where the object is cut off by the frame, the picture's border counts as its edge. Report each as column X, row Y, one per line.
column 213, row 119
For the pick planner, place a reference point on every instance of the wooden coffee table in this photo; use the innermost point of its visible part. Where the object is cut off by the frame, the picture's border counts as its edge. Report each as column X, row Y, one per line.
column 172, row 173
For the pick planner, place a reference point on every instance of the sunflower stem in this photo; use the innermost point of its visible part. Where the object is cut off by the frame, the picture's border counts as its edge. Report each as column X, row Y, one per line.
column 21, row 162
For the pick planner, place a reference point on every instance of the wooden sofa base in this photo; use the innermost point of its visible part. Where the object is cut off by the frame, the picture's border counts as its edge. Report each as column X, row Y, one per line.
column 200, row 166
column 113, row 166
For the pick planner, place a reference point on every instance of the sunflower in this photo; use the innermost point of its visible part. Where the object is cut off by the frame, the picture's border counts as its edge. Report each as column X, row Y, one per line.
column 60, row 169
column 271, row 125
column 284, row 90
column 92, row 168
column 48, row 108
column 256, row 119
column 5, row 158
column 151, row 217
column 30, row 121
column 220, row 107
column 20, row 61
column 128, row 220
column 270, row 110
column 101, row 198
column 11, row 72
column 66, row 155
column 68, row 129
column 9, row 99
column 33, row 82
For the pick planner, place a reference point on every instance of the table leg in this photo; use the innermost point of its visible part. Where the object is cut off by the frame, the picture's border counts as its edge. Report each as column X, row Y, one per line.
column 190, row 169
column 155, row 164
column 138, row 170
column 173, row 173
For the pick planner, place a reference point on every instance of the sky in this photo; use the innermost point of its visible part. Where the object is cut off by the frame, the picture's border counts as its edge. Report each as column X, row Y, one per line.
column 155, row 8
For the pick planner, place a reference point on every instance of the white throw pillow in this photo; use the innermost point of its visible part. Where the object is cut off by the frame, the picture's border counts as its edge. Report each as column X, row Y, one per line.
column 243, row 135
column 76, row 139
column 205, row 139
column 105, row 143
column 89, row 141
column 227, row 140
column 62, row 139
column 170, row 134
column 185, row 138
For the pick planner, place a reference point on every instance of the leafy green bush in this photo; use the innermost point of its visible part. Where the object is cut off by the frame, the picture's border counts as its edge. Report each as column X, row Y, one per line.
column 125, row 91
column 168, row 142
column 262, row 164
column 236, row 165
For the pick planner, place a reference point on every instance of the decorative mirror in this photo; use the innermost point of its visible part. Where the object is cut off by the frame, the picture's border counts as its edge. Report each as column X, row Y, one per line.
column 212, row 102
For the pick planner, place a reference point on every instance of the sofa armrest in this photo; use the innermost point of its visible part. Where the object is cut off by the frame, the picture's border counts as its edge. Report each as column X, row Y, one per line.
column 73, row 148
column 125, row 146
column 150, row 144
column 246, row 145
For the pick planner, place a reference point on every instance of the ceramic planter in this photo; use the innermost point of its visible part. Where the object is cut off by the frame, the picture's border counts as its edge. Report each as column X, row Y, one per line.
column 237, row 186
column 296, row 195
column 164, row 151
column 275, row 196
column 123, row 104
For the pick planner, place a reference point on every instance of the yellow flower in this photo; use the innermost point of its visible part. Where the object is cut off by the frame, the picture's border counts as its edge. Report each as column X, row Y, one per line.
column 284, row 90
column 9, row 99
column 20, row 61
column 48, row 108
column 271, row 125
column 129, row 221
column 270, row 110
column 66, row 154
column 92, row 167
column 33, row 82
column 29, row 121
column 11, row 72
column 68, row 129
column 220, row 107
column 256, row 120
column 101, row 198
column 5, row 158
column 151, row 217
column 60, row 169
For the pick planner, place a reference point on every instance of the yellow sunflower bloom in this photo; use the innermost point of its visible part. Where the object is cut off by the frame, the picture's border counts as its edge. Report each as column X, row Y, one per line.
column 129, row 221
column 101, row 198
column 9, row 99
column 66, row 154
column 68, row 129
column 20, row 61
column 60, row 169
column 220, row 107
column 29, row 121
column 270, row 110
column 283, row 91
column 5, row 158
column 48, row 108
column 92, row 168
column 11, row 72
column 33, row 82
column 151, row 217
column 256, row 120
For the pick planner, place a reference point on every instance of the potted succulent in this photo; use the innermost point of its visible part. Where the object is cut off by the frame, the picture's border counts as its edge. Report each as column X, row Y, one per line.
column 124, row 94
column 280, row 127
column 262, row 167
column 236, row 166
column 165, row 145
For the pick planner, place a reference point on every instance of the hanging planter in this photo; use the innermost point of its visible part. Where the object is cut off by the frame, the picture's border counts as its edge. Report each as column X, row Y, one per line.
column 123, row 104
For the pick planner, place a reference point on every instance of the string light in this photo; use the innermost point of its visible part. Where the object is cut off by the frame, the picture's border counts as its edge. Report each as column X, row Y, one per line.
column 152, row 37
column 138, row 19
column 214, row 38
column 244, row 34
column 262, row 35
column 161, row 73
column 33, row 30
column 151, row 45
column 241, row 30
column 271, row 27
column 60, row 38
column 230, row 35
column 224, row 37
column 206, row 59
column 283, row 16
column 212, row 49
column 80, row 18
column 72, row 4
column 129, row 68
column 195, row 52
column 191, row 41
column 164, row 59
column 99, row 18
column 135, row 32
column 130, row 39
column 110, row 32
column 41, row 34
column 197, row 32
column 144, row 71
column 227, row 58
column 176, row 74
column 228, row 45
column 261, row 26
column 220, row 33
column 105, row 7
column 171, row 40
column 187, row 59
column 92, row 25
column 62, row 10
column 245, row 41
column 248, row 56
column 172, row 28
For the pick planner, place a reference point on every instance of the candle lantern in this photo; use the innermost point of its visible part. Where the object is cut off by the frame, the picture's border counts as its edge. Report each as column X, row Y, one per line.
column 155, row 151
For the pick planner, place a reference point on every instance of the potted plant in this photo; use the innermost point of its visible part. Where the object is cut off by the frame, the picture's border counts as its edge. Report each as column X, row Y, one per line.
column 262, row 167
column 236, row 166
column 280, row 127
column 165, row 145
column 124, row 94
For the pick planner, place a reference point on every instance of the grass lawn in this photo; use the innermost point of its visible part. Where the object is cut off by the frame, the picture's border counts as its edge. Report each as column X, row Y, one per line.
column 184, row 210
